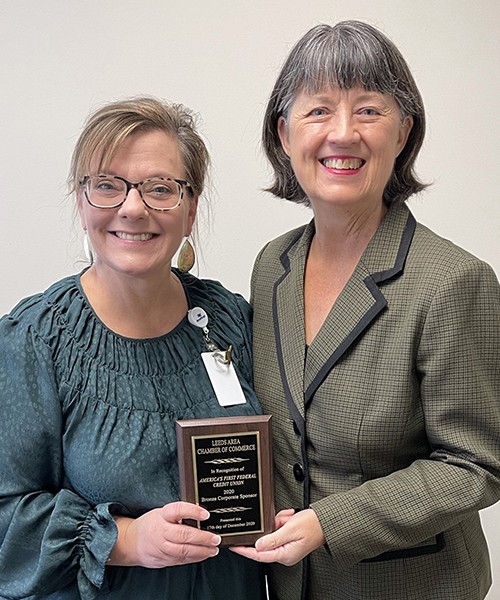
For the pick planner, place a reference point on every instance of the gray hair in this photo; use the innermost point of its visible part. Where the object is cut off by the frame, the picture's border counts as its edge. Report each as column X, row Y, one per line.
column 347, row 55
column 107, row 128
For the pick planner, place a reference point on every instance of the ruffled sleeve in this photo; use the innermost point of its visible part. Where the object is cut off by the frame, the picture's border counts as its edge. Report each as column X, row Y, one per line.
column 99, row 531
column 49, row 536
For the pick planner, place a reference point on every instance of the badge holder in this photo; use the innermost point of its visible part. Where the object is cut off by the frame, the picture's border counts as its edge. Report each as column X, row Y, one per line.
column 218, row 363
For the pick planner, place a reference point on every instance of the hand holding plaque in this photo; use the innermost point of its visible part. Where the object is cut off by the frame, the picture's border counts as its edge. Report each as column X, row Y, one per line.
column 225, row 465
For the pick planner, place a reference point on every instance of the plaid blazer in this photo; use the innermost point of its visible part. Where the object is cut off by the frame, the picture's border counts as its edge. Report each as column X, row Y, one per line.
column 388, row 425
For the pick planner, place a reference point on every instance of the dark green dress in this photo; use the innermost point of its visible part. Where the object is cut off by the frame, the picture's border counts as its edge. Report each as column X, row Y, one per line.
column 87, row 430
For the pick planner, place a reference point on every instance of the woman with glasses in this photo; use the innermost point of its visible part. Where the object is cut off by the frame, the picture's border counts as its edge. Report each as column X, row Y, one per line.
column 95, row 371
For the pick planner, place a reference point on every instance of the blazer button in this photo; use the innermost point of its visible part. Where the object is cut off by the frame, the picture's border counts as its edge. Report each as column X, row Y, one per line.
column 298, row 472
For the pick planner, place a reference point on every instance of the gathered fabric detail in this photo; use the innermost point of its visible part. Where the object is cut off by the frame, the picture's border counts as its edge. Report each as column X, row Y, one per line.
column 99, row 533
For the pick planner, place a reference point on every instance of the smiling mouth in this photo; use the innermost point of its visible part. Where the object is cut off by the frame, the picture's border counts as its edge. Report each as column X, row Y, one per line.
column 134, row 237
column 343, row 164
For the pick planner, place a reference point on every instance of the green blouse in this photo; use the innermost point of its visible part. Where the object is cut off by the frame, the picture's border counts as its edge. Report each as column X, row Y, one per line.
column 88, row 430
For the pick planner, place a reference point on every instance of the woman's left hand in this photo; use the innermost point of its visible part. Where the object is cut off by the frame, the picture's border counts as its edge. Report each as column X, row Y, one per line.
column 288, row 545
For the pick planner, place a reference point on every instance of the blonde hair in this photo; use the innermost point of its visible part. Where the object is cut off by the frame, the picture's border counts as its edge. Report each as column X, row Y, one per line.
column 107, row 128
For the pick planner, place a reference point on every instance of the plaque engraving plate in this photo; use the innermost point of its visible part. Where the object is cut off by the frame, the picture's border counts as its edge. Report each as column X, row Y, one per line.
column 225, row 465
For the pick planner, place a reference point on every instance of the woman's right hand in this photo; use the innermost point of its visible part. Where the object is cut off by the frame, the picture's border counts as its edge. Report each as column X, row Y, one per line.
column 159, row 538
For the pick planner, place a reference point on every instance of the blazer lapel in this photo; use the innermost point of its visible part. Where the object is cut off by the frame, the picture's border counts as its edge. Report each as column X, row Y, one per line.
column 361, row 301
column 355, row 309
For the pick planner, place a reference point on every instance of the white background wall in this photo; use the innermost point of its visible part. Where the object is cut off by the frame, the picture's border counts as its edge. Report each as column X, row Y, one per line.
column 60, row 58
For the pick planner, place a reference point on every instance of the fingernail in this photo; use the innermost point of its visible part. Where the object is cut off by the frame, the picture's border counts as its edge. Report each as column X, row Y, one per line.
column 217, row 540
column 260, row 545
column 204, row 515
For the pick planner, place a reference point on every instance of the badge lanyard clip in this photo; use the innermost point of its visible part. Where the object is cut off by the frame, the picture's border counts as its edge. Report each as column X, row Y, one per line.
column 199, row 318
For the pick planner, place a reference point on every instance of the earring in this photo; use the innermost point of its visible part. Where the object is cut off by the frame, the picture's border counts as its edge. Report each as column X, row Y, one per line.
column 186, row 257
column 87, row 249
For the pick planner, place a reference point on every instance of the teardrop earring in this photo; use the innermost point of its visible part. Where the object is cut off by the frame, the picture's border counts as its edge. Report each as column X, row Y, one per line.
column 186, row 257
column 87, row 248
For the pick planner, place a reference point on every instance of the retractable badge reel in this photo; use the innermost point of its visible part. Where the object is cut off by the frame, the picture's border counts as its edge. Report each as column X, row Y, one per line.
column 218, row 363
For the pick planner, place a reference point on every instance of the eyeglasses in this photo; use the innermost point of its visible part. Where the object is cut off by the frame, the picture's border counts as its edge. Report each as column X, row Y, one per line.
column 161, row 193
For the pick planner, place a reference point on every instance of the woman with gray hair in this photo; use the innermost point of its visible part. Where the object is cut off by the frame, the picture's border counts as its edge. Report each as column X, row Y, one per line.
column 376, row 344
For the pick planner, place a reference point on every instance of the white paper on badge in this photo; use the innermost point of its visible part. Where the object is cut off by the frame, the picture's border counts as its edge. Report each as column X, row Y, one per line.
column 224, row 380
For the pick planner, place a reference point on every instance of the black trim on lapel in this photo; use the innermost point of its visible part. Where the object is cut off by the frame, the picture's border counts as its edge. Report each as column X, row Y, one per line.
column 404, row 247
column 380, row 304
column 292, row 407
column 294, row 411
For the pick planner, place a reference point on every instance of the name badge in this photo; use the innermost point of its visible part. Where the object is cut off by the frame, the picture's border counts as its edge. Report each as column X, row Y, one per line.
column 224, row 380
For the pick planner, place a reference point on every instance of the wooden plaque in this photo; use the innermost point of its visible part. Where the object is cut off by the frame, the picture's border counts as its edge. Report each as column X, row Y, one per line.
column 225, row 465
